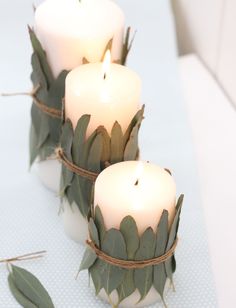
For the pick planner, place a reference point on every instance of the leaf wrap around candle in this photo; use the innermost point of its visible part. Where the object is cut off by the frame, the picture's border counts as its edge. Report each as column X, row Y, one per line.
column 47, row 109
column 126, row 244
column 94, row 154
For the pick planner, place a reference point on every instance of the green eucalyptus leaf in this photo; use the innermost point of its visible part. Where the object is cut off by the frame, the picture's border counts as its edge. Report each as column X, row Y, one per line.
column 86, row 149
column 113, row 245
column 99, row 221
column 47, row 149
column 143, row 278
column 96, row 272
column 66, row 144
column 36, row 115
column 93, row 232
column 137, row 119
column 108, row 47
column 88, row 260
column 159, row 277
column 43, row 131
column 79, row 138
column 129, row 231
column 57, row 91
column 31, row 287
column 127, row 286
column 33, row 145
column 131, row 149
column 170, row 263
column 37, row 47
column 95, row 154
column 126, row 48
column 80, row 198
column 106, row 149
column 38, row 78
column 117, row 145
column 18, row 295
column 85, row 61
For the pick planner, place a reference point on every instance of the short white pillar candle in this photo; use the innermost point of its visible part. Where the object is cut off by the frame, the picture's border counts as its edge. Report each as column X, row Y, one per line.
column 139, row 189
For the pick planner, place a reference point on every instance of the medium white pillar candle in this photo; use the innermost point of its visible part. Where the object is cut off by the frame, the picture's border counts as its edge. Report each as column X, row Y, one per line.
column 139, row 189
column 108, row 92
column 70, row 30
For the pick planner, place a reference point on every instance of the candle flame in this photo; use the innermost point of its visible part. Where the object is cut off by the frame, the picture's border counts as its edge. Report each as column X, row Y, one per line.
column 106, row 64
column 138, row 172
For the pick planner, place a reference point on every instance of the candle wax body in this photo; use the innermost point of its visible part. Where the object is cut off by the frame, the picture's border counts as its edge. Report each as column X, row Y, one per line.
column 49, row 172
column 70, row 30
column 115, row 98
column 75, row 225
column 118, row 196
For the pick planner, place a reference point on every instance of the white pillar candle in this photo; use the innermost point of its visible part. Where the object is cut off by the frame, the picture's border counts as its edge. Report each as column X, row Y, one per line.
column 70, row 30
column 139, row 189
column 108, row 92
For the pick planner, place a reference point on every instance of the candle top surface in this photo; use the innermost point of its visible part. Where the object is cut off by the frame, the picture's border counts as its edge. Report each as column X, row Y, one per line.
column 74, row 18
column 136, row 186
column 91, row 76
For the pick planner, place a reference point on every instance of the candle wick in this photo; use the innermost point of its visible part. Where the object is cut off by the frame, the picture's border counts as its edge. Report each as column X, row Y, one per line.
column 104, row 76
column 137, row 182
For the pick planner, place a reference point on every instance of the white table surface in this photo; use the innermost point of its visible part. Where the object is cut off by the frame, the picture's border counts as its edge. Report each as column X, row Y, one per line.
column 28, row 216
column 213, row 121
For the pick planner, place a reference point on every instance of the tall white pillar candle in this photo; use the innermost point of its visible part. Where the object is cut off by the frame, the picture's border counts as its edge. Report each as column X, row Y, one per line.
column 139, row 189
column 70, row 30
column 108, row 92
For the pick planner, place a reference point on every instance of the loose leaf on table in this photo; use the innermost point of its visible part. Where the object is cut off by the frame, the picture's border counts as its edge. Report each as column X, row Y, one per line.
column 30, row 287
column 19, row 297
column 113, row 245
column 170, row 263
column 144, row 277
column 88, row 259
column 159, row 277
column 117, row 145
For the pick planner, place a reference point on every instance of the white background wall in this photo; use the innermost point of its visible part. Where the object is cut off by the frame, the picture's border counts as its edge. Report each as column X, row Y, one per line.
column 208, row 27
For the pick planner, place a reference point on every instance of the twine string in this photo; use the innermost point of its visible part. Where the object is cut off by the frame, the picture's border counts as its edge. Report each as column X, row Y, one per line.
column 25, row 257
column 52, row 112
column 131, row 264
column 92, row 176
